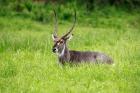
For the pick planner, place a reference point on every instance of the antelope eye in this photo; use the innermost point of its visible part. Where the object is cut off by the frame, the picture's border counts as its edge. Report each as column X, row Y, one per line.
column 61, row 42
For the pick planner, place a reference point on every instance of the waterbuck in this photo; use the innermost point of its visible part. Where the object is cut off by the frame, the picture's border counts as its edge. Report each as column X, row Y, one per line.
column 72, row 56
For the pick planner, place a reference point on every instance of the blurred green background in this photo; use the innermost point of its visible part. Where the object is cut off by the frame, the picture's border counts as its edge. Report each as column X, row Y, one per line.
column 27, row 64
column 40, row 10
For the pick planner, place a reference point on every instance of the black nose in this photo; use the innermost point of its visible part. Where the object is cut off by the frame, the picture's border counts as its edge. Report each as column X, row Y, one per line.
column 54, row 50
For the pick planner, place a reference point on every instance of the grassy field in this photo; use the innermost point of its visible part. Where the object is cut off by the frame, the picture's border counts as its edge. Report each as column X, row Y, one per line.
column 27, row 64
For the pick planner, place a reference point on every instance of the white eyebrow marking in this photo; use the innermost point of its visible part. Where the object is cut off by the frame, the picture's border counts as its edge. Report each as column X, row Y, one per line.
column 58, row 43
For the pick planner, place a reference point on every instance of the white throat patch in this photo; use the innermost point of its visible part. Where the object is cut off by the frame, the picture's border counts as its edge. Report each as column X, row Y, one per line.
column 62, row 53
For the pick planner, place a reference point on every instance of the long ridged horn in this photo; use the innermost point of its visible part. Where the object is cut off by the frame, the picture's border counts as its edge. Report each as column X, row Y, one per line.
column 55, row 25
column 71, row 29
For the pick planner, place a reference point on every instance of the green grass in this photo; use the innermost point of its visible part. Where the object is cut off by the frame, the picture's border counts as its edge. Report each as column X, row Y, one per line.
column 27, row 64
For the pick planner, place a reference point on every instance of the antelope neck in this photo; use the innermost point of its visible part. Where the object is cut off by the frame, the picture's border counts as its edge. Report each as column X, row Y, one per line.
column 64, row 51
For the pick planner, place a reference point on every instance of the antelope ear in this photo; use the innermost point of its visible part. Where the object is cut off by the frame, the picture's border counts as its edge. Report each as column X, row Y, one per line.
column 54, row 37
column 69, row 37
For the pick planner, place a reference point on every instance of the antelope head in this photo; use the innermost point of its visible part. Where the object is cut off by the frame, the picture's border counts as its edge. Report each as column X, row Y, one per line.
column 60, row 42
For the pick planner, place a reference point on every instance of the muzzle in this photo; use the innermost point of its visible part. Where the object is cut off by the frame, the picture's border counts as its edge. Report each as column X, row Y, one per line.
column 54, row 50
